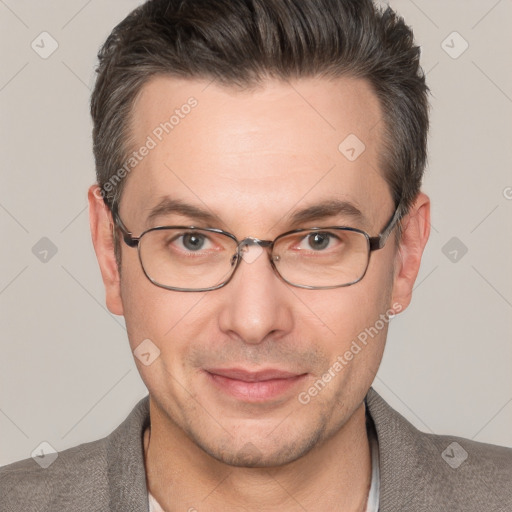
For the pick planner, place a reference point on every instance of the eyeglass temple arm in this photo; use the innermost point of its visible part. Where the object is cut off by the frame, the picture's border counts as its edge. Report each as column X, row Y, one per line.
column 378, row 242
column 128, row 238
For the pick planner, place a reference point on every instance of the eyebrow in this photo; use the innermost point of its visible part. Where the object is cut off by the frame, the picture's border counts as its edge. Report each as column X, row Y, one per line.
column 326, row 209
column 317, row 212
column 168, row 206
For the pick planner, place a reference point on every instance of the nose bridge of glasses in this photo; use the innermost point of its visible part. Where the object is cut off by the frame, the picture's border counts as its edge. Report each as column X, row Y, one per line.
column 255, row 244
column 250, row 240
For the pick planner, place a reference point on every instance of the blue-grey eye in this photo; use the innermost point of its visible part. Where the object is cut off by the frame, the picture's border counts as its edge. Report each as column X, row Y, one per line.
column 319, row 241
column 193, row 241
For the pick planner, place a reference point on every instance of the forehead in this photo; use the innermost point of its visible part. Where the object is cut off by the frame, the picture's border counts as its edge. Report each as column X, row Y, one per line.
column 260, row 151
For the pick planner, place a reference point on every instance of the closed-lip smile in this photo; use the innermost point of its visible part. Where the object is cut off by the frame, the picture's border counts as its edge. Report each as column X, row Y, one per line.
column 254, row 386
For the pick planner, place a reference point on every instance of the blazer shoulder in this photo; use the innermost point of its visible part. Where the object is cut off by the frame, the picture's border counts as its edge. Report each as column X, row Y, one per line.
column 482, row 456
column 80, row 471
column 423, row 471
column 469, row 473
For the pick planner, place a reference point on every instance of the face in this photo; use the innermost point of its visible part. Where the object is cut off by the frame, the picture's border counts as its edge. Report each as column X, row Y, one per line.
column 238, row 365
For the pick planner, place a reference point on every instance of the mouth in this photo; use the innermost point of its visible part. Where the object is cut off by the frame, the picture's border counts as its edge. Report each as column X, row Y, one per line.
column 254, row 386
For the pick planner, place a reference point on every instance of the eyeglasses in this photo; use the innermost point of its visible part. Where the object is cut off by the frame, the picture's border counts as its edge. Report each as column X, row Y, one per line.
column 192, row 259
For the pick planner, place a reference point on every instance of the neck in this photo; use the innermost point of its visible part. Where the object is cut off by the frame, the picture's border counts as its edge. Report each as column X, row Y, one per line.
column 333, row 476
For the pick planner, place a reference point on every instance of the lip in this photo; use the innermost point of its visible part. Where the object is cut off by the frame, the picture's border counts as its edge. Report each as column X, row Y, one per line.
column 256, row 376
column 254, row 386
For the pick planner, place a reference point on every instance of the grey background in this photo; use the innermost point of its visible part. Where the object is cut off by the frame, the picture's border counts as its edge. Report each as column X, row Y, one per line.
column 66, row 372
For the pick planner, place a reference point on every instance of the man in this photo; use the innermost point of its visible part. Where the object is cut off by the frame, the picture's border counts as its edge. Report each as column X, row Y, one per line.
column 258, row 220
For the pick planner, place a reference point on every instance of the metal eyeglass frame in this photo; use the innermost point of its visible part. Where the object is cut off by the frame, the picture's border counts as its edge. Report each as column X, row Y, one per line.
column 374, row 244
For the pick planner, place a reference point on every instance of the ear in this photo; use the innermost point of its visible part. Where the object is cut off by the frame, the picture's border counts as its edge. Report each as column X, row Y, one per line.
column 101, row 223
column 415, row 233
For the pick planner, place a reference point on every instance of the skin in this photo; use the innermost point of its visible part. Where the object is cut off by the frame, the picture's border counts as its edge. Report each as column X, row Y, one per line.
column 252, row 157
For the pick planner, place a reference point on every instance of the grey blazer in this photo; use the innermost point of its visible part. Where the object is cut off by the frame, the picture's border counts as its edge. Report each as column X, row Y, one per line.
column 418, row 471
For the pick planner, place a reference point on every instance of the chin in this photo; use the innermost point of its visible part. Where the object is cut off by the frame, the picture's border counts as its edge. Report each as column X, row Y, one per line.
column 259, row 452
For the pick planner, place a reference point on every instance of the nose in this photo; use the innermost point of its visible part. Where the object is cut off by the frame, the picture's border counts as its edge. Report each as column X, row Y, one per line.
column 256, row 301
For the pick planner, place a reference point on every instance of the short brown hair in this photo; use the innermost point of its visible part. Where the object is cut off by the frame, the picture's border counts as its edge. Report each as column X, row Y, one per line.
column 239, row 43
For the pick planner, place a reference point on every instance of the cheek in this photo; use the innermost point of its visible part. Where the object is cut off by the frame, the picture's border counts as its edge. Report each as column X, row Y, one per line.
column 163, row 323
column 151, row 312
column 350, row 312
column 357, row 317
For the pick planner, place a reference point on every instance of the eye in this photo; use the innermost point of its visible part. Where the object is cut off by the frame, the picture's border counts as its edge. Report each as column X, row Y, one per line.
column 192, row 242
column 318, row 241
